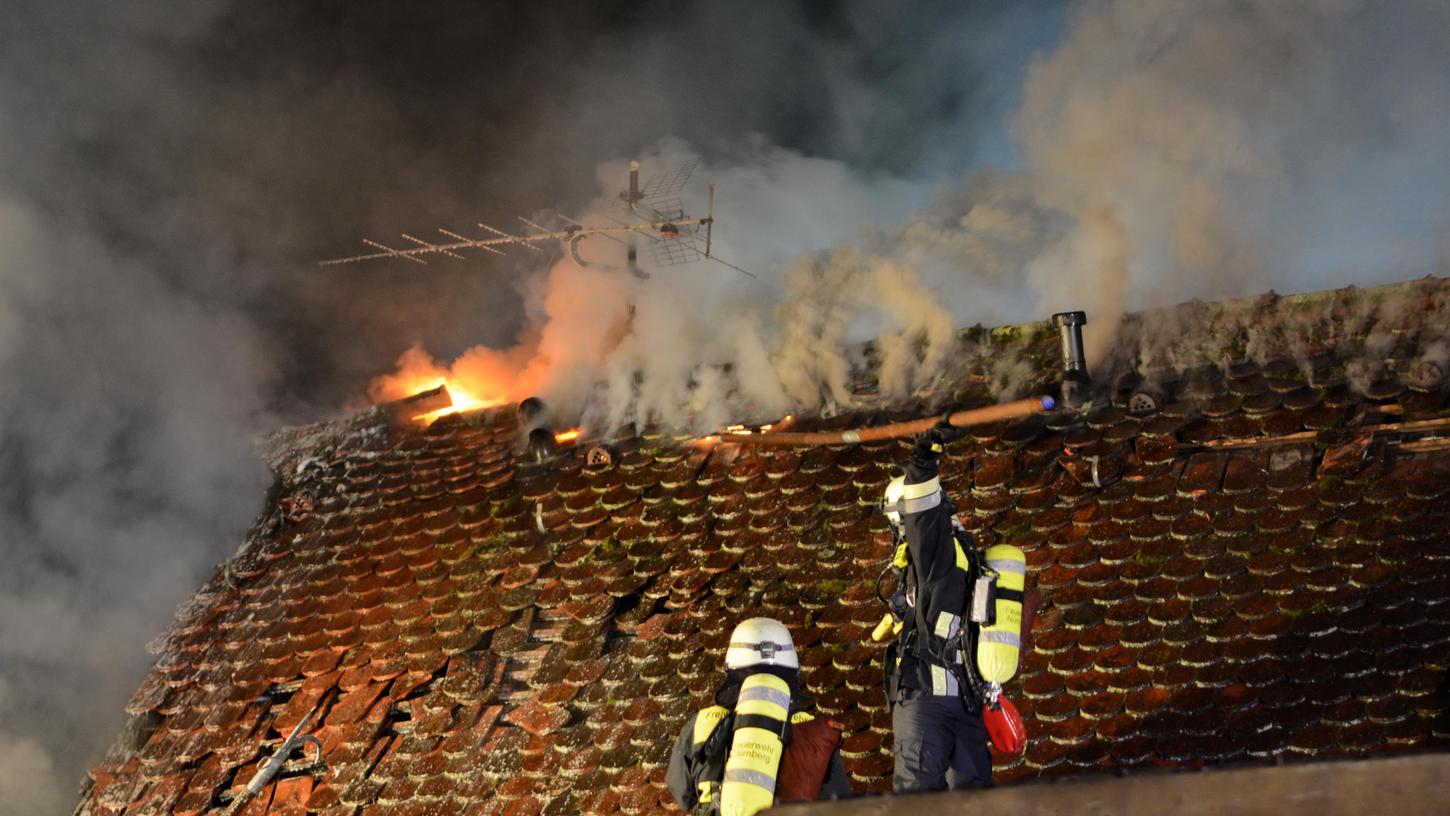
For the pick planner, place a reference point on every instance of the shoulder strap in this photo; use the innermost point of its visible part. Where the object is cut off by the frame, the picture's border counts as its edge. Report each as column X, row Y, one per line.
column 705, row 764
column 706, row 722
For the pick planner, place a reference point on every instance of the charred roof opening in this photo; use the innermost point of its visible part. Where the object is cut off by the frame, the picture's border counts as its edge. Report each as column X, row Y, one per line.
column 599, row 456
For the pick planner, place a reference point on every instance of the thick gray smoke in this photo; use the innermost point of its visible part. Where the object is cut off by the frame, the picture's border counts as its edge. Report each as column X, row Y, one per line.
column 171, row 172
column 131, row 380
column 1173, row 151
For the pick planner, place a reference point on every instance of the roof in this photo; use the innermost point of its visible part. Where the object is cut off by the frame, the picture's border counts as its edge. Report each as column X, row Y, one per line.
column 1412, row 785
column 1254, row 566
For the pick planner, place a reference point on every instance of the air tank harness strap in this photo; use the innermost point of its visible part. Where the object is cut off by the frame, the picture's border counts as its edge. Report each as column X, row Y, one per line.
column 958, row 644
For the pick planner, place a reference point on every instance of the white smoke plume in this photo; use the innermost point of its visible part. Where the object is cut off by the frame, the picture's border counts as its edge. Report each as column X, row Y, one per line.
column 1173, row 151
column 694, row 345
column 1219, row 149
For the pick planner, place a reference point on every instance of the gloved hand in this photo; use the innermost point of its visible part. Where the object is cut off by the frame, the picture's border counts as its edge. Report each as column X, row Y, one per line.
column 946, row 430
column 929, row 445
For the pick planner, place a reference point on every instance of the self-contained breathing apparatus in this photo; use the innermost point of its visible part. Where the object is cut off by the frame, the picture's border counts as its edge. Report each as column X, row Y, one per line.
column 983, row 652
column 956, row 652
column 751, row 749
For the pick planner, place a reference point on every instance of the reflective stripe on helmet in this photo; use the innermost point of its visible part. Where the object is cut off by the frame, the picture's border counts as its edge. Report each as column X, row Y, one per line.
column 921, row 505
column 920, row 497
column 916, row 491
column 767, row 649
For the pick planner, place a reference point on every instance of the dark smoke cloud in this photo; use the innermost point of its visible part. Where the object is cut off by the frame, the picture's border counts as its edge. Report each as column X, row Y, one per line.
column 170, row 173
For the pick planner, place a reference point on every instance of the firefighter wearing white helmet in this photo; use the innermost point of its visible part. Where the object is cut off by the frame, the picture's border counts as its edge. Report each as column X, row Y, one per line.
column 937, row 675
column 756, row 746
column 761, row 642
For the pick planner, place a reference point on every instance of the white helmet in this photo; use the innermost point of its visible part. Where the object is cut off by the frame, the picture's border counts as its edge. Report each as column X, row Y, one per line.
column 761, row 642
column 891, row 501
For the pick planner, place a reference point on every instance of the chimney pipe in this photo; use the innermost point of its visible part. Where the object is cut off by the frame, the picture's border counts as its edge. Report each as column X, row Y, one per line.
column 542, row 446
column 530, row 411
column 1069, row 326
column 1074, row 363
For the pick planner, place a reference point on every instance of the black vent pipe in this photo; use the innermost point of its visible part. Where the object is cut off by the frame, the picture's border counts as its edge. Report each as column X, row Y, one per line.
column 542, row 445
column 1074, row 363
column 531, row 409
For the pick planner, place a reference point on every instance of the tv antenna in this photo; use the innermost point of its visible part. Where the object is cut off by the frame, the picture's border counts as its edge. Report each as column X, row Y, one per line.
column 653, row 212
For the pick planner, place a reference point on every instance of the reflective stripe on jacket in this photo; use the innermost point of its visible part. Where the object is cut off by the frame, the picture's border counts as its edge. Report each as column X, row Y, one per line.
column 943, row 568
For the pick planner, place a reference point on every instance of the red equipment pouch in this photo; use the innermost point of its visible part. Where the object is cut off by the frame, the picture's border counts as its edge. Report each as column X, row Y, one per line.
column 1004, row 727
column 807, row 759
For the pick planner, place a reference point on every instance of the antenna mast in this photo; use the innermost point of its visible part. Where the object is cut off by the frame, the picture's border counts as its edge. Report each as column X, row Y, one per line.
column 654, row 210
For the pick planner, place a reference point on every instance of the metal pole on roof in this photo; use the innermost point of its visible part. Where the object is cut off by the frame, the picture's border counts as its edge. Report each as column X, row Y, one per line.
column 960, row 419
column 278, row 760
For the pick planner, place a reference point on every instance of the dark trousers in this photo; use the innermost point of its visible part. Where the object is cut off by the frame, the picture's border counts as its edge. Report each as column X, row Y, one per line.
column 939, row 742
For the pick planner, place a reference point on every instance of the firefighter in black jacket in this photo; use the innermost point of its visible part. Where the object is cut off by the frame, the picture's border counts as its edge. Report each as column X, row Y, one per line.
column 940, row 740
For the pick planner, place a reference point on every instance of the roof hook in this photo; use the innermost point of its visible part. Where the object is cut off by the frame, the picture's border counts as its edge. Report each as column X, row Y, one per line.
column 278, row 760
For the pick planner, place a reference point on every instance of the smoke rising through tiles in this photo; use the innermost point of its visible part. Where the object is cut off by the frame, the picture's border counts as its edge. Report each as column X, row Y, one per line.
column 167, row 181
column 1203, row 151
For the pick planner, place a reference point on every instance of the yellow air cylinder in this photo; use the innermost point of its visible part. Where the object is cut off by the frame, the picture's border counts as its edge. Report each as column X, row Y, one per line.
column 755, row 747
column 999, row 645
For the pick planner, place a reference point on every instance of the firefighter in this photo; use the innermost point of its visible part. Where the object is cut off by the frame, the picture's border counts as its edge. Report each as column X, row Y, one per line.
column 939, row 737
column 756, row 746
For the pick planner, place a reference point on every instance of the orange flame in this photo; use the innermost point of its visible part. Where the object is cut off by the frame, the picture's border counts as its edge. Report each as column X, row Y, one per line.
column 462, row 401
column 746, row 430
column 418, row 372
column 568, row 436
